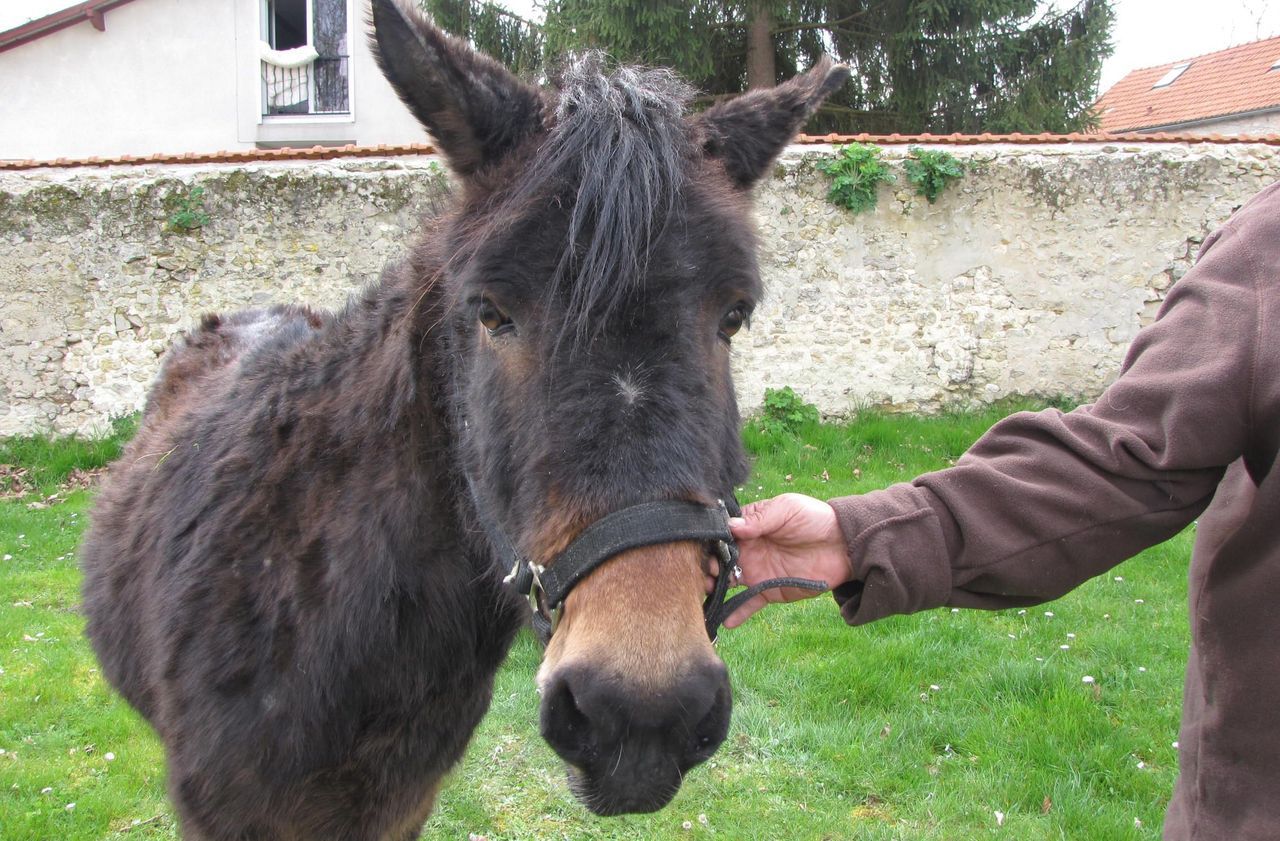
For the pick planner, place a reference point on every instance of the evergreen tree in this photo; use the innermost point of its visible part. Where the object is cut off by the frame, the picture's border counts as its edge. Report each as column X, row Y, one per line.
column 511, row 39
column 918, row 65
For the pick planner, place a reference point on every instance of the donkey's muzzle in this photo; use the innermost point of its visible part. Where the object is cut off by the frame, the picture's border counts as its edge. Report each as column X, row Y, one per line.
column 630, row 745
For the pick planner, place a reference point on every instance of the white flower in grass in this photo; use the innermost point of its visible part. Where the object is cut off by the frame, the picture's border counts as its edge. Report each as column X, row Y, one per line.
column 934, row 687
column 1065, row 647
column 8, row 557
column 1087, row 679
column 955, row 610
column 999, row 818
column 1141, row 764
column 1175, row 745
column 687, row 825
column 1137, row 823
column 1039, row 659
column 1142, row 668
column 1012, row 636
column 109, row 756
column 1049, row 613
column 1119, row 578
column 1071, row 636
column 1139, row 601
column 47, row 790
column 70, row 807
column 1022, row 613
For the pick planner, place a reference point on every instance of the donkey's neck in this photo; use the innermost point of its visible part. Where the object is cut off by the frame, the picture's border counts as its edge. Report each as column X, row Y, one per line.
column 388, row 352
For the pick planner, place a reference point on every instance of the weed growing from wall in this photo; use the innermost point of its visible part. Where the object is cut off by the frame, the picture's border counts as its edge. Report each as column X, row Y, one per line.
column 931, row 171
column 856, row 173
column 188, row 213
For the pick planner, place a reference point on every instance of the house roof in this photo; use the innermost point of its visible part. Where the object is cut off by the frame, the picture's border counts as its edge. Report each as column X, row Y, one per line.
column 334, row 152
column 92, row 11
column 1238, row 80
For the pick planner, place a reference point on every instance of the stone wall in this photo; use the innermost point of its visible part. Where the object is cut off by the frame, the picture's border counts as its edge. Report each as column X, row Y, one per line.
column 1029, row 276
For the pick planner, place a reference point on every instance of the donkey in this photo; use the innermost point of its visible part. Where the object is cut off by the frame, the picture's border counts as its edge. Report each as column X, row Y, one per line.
column 293, row 572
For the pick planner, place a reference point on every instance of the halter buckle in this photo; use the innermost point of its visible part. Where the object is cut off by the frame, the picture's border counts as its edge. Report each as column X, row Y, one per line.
column 537, row 598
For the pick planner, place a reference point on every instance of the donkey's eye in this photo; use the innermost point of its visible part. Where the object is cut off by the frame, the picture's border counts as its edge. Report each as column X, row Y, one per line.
column 733, row 320
column 494, row 319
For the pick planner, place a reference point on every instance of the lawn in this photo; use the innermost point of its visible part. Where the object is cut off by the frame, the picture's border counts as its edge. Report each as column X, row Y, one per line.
column 942, row 725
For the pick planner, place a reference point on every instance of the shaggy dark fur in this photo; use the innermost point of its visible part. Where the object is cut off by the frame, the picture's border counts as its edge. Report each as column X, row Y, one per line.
column 285, row 575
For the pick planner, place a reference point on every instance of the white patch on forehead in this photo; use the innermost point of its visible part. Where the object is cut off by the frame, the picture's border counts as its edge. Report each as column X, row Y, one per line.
column 630, row 385
column 628, row 389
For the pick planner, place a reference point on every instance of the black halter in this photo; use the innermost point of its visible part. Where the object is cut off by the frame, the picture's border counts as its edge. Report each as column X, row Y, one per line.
column 646, row 524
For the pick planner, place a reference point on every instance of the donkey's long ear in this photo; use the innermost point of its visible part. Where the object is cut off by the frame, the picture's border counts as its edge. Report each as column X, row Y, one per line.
column 748, row 132
column 476, row 110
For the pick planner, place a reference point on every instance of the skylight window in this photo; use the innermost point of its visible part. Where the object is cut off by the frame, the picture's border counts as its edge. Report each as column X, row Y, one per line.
column 1172, row 76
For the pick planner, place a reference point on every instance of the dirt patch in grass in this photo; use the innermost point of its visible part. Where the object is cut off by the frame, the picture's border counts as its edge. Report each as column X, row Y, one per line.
column 15, row 484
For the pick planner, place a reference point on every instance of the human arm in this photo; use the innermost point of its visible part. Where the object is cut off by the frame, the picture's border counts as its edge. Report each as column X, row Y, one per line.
column 1044, row 501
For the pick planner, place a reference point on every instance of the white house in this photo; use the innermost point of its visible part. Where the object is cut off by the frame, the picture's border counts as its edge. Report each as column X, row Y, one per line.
column 139, row 77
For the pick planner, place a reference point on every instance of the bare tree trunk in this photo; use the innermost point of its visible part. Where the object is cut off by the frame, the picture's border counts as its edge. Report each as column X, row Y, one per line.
column 761, row 71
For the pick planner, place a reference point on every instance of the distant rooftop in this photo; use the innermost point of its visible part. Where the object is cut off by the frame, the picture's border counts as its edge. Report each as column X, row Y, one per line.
column 1238, row 80
column 91, row 11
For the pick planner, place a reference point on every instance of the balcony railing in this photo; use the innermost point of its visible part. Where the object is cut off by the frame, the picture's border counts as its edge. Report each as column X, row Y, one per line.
column 319, row 87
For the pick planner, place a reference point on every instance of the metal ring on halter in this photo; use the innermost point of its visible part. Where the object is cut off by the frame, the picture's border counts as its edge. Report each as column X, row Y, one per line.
column 538, row 600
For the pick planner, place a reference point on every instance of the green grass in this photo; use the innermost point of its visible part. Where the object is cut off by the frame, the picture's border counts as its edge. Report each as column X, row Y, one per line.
column 838, row 732
column 51, row 460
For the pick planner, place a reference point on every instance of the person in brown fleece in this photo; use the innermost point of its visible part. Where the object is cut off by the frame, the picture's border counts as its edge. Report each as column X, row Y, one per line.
column 1044, row 501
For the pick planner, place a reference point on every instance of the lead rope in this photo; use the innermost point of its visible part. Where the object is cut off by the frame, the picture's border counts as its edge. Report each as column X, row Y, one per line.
column 716, row 609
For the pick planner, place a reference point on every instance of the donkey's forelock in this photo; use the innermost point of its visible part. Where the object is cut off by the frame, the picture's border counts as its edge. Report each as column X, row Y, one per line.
column 617, row 152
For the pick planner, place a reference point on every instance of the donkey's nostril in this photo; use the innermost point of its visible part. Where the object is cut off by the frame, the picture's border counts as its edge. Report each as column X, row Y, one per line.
column 714, row 726
column 564, row 725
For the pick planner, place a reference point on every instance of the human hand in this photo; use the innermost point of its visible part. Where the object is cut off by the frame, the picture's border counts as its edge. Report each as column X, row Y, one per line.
column 791, row 535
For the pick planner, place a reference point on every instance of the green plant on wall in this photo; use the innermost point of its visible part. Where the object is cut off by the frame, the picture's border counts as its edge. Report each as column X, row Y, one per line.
column 784, row 412
column 931, row 171
column 856, row 173
column 187, row 211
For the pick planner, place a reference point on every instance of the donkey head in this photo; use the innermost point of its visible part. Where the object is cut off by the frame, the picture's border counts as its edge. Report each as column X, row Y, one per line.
column 600, row 259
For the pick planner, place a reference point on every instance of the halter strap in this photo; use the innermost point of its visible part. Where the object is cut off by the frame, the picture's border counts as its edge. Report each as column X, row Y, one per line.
column 646, row 524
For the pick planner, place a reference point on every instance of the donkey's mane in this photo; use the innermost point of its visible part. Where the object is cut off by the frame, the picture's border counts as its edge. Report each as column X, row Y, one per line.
column 617, row 150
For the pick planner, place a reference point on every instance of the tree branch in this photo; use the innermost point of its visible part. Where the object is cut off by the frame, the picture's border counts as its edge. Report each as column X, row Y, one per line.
column 831, row 24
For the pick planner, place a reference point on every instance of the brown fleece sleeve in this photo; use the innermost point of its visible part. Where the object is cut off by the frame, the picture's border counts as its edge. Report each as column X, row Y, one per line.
column 1046, row 500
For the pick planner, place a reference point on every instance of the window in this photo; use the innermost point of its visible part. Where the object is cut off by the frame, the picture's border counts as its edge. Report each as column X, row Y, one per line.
column 304, row 57
column 1172, row 76
column 286, row 24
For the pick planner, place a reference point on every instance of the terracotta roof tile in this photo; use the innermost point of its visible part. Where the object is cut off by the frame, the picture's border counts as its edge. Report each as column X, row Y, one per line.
column 1033, row 139
column 1232, row 81
column 410, row 149
column 242, row 156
